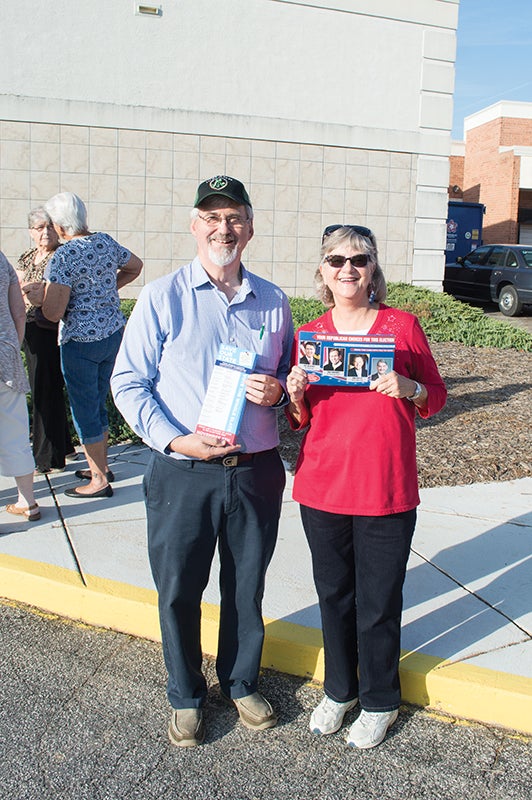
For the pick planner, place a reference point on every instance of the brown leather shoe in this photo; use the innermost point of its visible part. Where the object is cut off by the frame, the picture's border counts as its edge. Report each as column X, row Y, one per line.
column 186, row 728
column 254, row 711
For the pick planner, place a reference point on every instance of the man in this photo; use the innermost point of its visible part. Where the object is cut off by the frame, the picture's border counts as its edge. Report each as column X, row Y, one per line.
column 310, row 357
column 382, row 369
column 358, row 368
column 199, row 490
column 335, row 360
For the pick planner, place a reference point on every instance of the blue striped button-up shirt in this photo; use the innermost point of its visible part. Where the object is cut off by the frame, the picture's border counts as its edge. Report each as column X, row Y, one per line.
column 170, row 346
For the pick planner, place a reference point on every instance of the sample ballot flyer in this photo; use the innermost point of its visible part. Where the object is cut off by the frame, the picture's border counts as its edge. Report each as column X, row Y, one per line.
column 224, row 402
column 343, row 360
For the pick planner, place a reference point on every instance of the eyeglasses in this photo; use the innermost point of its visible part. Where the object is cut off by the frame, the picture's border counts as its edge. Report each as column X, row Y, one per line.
column 360, row 229
column 214, row 220
column 44, row 227
column 338, row 262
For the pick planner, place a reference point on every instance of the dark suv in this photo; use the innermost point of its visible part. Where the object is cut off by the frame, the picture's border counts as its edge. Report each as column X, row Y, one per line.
column 498, row 273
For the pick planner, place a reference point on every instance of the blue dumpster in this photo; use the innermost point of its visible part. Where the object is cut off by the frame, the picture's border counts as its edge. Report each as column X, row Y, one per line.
column 464, row 228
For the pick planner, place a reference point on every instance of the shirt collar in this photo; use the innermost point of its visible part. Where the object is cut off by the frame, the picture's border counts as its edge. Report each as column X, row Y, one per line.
column 200, row 278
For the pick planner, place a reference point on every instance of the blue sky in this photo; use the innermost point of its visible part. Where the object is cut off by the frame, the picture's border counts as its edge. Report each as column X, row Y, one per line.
column 493, row 58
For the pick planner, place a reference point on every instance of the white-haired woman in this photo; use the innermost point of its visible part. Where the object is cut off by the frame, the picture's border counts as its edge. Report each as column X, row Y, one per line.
column 16, row 459
column 356, row 482
column 51, row 440
column 82, row 282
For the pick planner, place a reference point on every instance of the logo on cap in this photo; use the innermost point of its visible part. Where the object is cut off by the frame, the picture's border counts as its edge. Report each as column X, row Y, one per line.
column 218, row 183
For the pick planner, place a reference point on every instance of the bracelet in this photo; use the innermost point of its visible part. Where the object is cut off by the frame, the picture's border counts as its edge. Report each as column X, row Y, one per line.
column 281, row 401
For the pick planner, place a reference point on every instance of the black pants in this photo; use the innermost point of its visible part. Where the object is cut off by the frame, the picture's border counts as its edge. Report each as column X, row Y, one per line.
column 359, row 566
column 50, row 430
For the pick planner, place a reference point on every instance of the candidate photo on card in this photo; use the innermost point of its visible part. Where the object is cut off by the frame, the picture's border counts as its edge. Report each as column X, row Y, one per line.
column 358, row 365
column 335, row 359
column 379, row 367
column 309, row 353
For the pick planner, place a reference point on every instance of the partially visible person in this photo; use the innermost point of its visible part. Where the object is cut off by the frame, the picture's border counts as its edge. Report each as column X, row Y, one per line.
column 358, row 367
column 82, row 283
column 335, row 361
column 51, row 440
column 310, row 358
column 382, row 368
column 16, row 459
column 356, row 482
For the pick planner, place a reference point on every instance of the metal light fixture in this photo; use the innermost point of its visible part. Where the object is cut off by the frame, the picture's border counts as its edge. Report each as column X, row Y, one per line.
column 152, row 11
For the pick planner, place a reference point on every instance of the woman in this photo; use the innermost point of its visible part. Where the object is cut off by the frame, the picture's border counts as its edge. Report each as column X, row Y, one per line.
column 82, row 282
column 359, row 524
column 16, row 459
column 50, row 429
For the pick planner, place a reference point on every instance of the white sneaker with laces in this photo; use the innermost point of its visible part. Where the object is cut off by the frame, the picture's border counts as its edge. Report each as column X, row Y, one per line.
column 328, row 716
column 370, row 728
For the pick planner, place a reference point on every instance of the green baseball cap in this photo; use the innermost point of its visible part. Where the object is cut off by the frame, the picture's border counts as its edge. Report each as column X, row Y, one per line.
column 225, row 186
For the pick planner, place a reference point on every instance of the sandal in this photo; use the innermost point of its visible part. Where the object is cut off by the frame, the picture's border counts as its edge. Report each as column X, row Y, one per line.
column 31, row 513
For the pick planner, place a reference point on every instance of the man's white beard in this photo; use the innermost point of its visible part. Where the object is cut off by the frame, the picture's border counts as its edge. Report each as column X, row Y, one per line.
column 224, row 256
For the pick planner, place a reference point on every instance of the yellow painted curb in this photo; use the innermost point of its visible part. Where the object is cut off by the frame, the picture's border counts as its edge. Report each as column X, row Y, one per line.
column 461, row 690
column 465, row 690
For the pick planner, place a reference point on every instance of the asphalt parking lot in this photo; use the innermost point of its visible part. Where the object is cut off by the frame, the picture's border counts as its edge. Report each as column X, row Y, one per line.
column 524, row 321
column 83, row 715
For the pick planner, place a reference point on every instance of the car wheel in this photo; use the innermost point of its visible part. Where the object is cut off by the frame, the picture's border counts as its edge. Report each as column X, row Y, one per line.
column 509, row 302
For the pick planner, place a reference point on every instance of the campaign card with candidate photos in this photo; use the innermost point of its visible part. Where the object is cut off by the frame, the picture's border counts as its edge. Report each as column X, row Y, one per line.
column 333, row 359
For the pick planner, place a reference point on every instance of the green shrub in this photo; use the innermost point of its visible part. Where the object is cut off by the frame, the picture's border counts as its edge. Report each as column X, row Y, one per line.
column 119, row 430
column 305, row 310
column 126, row 307
column 443, row 319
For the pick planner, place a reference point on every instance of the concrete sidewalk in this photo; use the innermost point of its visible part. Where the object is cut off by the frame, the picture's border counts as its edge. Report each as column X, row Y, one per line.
column 467, row 624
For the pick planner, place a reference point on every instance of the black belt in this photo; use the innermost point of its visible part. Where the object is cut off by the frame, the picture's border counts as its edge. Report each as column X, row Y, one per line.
column 235, row 459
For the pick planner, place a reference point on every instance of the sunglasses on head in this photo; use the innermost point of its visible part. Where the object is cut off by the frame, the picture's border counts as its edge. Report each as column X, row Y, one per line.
column 360, row 229
column 338, row 262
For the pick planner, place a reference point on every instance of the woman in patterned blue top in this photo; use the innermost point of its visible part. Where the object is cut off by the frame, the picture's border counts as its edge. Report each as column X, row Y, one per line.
column 82, row 282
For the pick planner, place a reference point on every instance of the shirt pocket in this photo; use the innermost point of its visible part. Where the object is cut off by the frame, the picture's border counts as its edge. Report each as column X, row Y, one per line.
column 269, row 347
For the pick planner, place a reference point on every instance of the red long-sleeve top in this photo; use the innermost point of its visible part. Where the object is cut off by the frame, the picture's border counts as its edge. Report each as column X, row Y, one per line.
column 358, row 455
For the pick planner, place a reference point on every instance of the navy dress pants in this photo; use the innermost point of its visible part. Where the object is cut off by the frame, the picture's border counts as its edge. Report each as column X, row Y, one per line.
column 191, row 507
column 359, row 566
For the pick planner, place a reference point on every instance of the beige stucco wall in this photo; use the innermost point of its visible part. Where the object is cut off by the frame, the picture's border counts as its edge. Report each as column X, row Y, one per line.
column 327, row 113
column 140, row 185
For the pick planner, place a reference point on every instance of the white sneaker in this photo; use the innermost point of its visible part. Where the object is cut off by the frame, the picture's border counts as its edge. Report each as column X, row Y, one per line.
column 370, row 728
column 328, row 716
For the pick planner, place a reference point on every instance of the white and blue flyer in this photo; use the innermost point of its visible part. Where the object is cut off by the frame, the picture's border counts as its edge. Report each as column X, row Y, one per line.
column 333, row 359
column 223, row 406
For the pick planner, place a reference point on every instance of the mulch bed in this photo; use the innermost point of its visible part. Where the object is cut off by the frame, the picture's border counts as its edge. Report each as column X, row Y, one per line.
column 483, row 434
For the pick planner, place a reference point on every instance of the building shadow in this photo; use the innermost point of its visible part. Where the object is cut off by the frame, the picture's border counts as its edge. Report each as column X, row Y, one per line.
column 471, row 591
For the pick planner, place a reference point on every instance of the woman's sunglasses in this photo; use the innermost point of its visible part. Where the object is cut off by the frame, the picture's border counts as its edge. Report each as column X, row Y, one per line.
column 360, row 229
column 338, row 262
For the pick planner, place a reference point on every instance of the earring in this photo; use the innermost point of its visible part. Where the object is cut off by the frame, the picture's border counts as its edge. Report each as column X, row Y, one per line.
column 371, row 296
